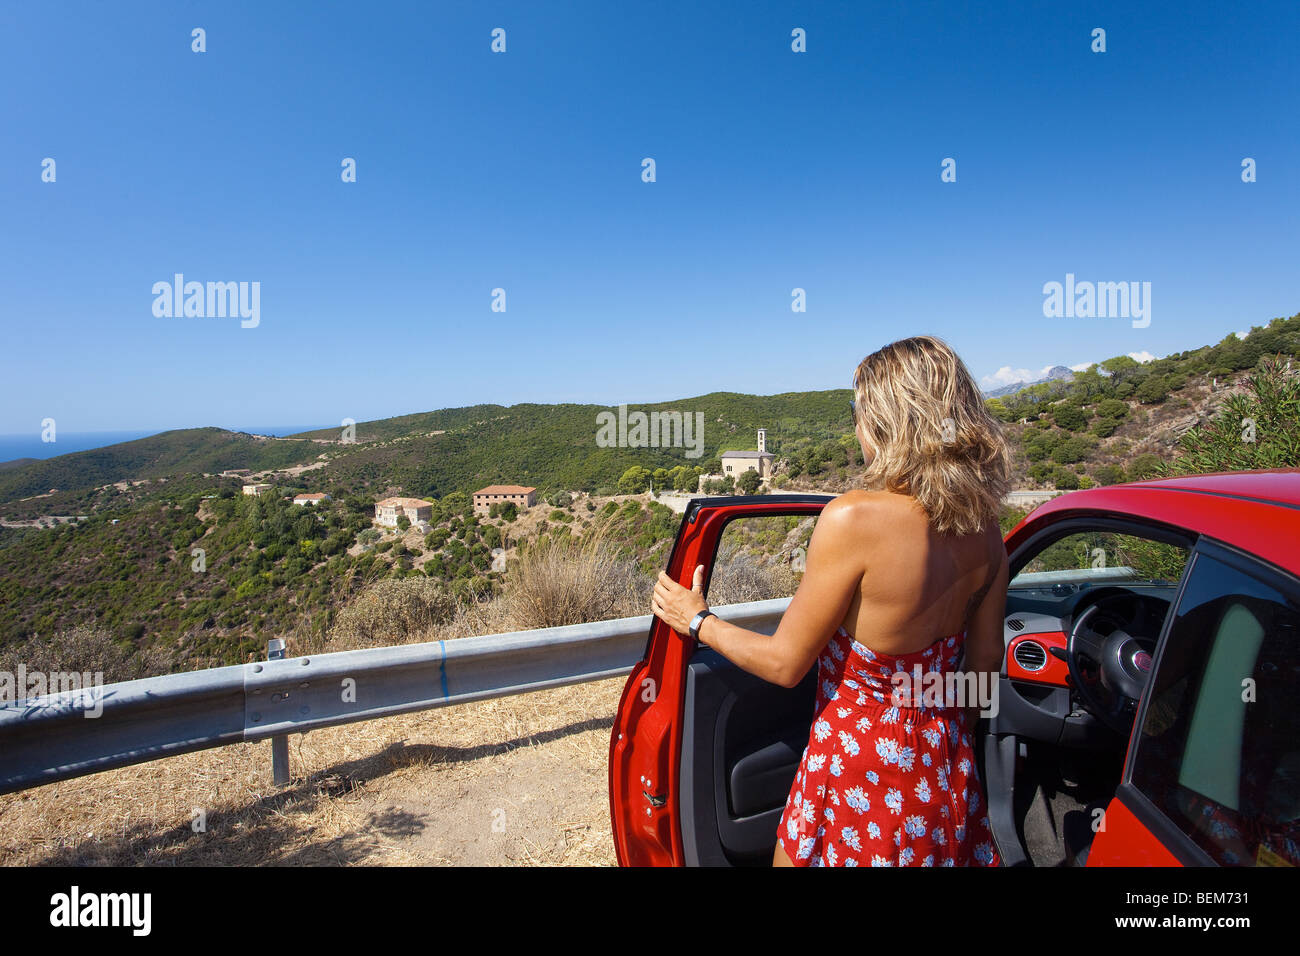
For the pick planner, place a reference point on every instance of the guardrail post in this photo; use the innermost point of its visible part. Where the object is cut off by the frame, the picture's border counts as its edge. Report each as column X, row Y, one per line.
column 279, row 745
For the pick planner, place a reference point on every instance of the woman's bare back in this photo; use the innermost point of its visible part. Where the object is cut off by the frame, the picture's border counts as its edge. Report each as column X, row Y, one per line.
column 918, row 586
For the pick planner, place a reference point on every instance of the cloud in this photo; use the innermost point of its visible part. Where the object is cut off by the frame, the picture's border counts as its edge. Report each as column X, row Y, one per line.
column 1007, row 375
column 1082, row 366
column 1143, row 357
column 1242, row 335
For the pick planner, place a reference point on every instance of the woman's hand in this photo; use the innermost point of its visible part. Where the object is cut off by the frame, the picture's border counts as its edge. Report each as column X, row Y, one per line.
column 675, row 605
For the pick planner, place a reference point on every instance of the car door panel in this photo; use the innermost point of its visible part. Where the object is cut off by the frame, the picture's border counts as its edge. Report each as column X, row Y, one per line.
column 678, row 727
column 743, row 740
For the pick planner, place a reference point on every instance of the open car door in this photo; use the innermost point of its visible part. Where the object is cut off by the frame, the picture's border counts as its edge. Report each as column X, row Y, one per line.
column 703, row 754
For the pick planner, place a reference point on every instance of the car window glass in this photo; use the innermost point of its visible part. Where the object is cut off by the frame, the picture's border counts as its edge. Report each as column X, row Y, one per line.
column 1219, row 748
column 1103, row 557
column 760, row 558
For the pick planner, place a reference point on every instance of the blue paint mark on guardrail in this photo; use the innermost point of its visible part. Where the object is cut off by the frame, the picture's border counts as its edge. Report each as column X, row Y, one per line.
column 442, row 668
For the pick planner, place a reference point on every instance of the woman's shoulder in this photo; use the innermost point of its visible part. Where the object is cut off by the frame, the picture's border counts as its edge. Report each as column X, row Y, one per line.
column 870, row 507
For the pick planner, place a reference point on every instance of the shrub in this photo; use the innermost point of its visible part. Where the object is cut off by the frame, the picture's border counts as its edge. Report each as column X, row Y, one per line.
column 1144, row 466
column 566, row 580
column 1112, row 408
column 737, row 577
column 1109, row 475
column 1069, row 417
column 86, row 647
column 1256, row 429
column 1153, row 391
column 393, row 611
column 1064, row 479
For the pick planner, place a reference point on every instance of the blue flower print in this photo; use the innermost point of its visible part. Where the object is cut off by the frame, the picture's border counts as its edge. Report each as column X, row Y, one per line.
column 851, row 839
column 905, row 757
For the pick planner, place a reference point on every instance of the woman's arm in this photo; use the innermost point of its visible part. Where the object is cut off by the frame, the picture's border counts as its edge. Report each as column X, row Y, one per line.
column 984, row 644
column 832, row 573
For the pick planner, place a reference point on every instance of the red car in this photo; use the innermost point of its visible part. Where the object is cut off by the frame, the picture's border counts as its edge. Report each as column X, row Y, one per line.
column 1147, row 712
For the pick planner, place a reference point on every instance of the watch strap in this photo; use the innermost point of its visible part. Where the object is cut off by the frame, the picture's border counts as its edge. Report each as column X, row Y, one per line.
column 697, row 621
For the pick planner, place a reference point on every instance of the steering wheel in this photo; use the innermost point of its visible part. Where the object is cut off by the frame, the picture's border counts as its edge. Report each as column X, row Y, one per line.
column 1107, row 629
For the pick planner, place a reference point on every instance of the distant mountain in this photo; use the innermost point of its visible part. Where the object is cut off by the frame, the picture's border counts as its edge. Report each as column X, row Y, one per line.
column 1057, row 373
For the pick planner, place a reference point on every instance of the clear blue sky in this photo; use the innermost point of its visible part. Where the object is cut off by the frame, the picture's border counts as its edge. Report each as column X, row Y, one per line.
column 523, row 171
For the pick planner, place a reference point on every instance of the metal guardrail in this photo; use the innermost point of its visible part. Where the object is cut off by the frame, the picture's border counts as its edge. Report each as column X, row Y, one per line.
column 52, row 738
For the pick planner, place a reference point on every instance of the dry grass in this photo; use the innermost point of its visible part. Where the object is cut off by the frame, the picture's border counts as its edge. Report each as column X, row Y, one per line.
column 567, row 580
column 514, row 781
column 85, row 648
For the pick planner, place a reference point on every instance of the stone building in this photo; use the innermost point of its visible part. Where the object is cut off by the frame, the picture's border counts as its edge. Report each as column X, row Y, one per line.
column 734, row 463
column 390, row 509
column 520, row 496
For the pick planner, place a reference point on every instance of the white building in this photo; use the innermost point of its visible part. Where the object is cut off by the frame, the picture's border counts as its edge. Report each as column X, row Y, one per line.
column 735, row 463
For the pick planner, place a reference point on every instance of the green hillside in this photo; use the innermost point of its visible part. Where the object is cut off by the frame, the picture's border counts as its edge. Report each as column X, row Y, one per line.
column 273, row 569
column 180, row 452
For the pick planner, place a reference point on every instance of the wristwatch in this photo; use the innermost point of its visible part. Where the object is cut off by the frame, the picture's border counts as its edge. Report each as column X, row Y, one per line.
column 697, row 620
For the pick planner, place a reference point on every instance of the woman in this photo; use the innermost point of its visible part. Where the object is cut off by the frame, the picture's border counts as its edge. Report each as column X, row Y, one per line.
column 910, row 572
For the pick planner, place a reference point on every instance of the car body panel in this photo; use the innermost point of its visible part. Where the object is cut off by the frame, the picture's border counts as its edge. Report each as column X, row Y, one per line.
column 1123, row 840
column 646, row 741
column 1254, row 512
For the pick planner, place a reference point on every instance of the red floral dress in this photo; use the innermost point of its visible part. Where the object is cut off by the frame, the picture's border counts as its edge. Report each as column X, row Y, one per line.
column 885, row 785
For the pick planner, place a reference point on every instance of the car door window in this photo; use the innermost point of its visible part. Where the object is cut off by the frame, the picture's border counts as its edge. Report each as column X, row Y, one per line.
column 1099, row 556
column 1219, row 748
column 760, row 558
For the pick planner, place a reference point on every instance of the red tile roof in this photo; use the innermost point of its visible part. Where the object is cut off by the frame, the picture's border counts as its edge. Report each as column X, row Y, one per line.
column 405, row 503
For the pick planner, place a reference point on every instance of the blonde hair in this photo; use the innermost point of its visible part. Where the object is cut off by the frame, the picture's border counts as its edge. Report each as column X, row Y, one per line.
column 924, row 417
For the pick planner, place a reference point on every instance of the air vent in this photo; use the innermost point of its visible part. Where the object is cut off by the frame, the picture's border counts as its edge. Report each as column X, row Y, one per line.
column 1016, row 624
column 1030, row 655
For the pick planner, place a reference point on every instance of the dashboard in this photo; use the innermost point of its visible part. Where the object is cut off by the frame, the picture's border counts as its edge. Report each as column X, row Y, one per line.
column 1036, row 697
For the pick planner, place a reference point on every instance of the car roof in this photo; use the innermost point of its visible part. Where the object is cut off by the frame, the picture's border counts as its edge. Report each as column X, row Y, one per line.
column 1279, row 486
column 1256, row 511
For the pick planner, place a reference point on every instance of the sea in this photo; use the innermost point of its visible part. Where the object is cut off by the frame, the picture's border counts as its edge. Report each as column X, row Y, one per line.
column 29, row 445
